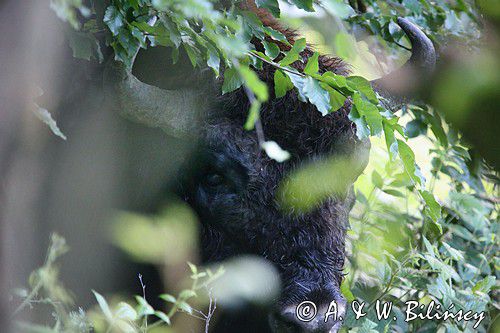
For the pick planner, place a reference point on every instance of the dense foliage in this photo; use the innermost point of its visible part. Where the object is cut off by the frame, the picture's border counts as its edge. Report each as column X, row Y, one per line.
column 412, row 238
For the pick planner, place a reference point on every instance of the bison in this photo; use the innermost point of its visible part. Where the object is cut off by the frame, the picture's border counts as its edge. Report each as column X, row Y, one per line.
column 235, row 187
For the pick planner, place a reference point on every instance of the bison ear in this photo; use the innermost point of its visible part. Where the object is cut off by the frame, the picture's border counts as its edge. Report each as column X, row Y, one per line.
column 403, row 84
column 175, row 110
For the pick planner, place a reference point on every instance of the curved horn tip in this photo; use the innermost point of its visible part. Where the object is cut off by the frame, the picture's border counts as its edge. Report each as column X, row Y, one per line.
column 423, row 51
column 404, row 23
column 407, row 80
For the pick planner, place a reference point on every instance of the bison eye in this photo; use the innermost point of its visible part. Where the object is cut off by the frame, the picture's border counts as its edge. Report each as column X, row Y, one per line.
column 214, row 179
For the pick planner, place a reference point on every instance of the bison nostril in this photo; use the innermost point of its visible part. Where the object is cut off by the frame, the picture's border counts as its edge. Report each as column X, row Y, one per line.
column 286, row 322
column 311, row 318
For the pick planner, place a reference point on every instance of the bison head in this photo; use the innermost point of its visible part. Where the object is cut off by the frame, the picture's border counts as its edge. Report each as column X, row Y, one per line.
column 237, row 190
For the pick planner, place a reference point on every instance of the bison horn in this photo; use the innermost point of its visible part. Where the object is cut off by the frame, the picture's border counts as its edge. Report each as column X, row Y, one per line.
column 173, row 110
column 403, row 81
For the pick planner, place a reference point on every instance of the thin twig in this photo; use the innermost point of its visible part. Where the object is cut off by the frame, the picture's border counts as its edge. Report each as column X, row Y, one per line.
column 276, row 65
column 401, row 45
column 27, row 301
column 144, row 296
column 288, row 70
column 258, row 125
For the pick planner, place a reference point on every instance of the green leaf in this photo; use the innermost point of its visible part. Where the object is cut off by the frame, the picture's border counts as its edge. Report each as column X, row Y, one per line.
column 163, row 317
column 390, row 139
column 232, row 80
column 384, row 272
column 253, row 82
column 198, row 275
column 113, row 19
column 126, row 312
column 429, row 247
column 185, row 307
column 408, row 158
column 103, row 305
column 455, row 254
column 172, row 29
column 312, row 66
column 272, row 50
column 370, row 113
column 377, row 179
column 304, row 4
column 367, row 326
column 271, row 5
column 253, row 115
column 192, row 52
column 433, row 208
column 282, row 84
column 337, row 8
column 446, row 271
column 192, row 267
column 213, row 60
column 363, row 86
column 168, row 298
column 275, row 34
column 294, row 53
column 187, row 293
column 362, row 129
column 344, row 289
column 437, row 128
column 395, row 193
column 336, row 81
column 484, row 286
column 143, row 309
column 415, row 128
column 337, row 100
column 84, row 46
column 316, row 95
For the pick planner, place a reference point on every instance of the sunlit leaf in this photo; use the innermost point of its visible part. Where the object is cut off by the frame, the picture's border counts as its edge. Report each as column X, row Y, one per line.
column 316, row 95
column 253, row 116
column 363, row 86
column 114, row 19
column 168, row 298
column 103, row 304
column 163, row 317
column 126, row 312
column 274, row 151
column 282, row 84
column 432, row 209
column 408, row 158
column 484, row 285
column 272, row 50
column 143, row 308
column 294, row 53
column 312, row 66
column 337, row 8
column 377, row 179
column 370, row 113
column 232, row 80
column 188, row 293
column 271, row 5
column 253, row 82
column 304, row 4
column 185, row 307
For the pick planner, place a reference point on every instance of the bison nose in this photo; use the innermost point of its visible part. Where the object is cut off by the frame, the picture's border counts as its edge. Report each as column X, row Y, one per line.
column 311, row 317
